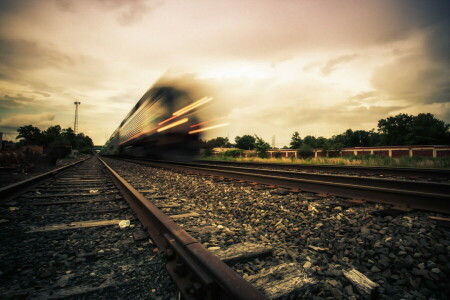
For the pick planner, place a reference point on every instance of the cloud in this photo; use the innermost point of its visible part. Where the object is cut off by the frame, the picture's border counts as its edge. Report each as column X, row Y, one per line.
column 128, row 13
column 42, row 121
column 22, row 54
column 14, row 102
column 413, row 78
column 106, row 53
column 421, row 75
column 332, row 64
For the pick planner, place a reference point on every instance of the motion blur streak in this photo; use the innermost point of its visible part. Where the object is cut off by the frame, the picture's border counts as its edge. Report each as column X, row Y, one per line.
column 206, row 122
column 208, row 128
column 167, row 120
column 137, row 135
column 179, row 122
column 192, row 106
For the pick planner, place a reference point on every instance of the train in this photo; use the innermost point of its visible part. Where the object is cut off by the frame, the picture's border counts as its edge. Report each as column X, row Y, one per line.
column 164, row 124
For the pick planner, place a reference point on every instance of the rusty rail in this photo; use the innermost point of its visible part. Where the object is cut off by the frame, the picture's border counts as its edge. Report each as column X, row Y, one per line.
column 427, row 196
column 396, row 171
column 11, row 191
column 197, row 273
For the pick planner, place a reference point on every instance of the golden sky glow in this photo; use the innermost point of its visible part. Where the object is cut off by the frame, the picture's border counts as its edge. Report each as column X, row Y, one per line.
column 313, row 66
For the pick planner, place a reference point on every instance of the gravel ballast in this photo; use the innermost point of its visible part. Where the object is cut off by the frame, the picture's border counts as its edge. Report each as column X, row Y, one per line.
column 107, row 262
column 405, row 254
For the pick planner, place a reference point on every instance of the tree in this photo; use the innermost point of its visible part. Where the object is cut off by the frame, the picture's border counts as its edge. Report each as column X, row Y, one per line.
column 51, row 134
column 29, row 135
column 246, row 142
column 261, row 147
column 56, row 137
column 305, row 151
column 423, row 129
column 358, row 138
column 218, row 142
column 321, row 142
column 309, row 140
column 69, row 135
column 395, row 129
column 296, row 141
column 83, row 143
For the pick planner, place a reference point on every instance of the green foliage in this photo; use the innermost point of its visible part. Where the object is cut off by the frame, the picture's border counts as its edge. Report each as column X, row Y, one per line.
column 358, row 138
column 296, row 141
column 207, row 152
column 233, row 153
column 29, row 135
column 54, row 136
column 261, row 147
column 277, row 154
column 208, row 146
column 222, row 142
column 305, row 151
column 423, row 129
column 51, row 134
column 246, row 142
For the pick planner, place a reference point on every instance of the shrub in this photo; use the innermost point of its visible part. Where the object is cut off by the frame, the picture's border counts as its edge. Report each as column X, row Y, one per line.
column 277, row 154
column 233, row 153
column 305, row 151
column 207, row 152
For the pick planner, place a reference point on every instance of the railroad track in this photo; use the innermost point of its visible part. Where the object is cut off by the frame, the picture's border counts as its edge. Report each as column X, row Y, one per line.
column 402, row 194
column 61, row 238
column 44, row 222
column 334, row 248
column 442, row 174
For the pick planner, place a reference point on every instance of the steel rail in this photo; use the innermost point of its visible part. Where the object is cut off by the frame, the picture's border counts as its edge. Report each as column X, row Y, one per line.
column 420, row 186
column 396, row 171
column 196, row 271
column 399, row 193
column 9, row 192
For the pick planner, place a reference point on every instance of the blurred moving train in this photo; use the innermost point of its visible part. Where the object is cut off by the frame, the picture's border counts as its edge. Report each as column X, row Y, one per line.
column 164, row 124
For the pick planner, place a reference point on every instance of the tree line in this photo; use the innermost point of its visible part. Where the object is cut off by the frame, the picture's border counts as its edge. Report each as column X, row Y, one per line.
column 54, row 136
column 399, row 130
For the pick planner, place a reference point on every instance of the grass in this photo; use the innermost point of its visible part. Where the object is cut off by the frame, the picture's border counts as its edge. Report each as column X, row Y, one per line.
column 369, row 160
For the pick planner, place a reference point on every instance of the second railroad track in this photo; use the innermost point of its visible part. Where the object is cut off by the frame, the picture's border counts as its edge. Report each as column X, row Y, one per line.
column 404, row 194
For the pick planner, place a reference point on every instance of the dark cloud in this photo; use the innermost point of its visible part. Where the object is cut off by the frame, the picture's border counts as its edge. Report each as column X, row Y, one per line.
column 23, row 55
column 10, row 124
column 414, row 78
column 437, row 43
column 8, row 6
column 423, row 75
column 332, row 64
column 14, row 102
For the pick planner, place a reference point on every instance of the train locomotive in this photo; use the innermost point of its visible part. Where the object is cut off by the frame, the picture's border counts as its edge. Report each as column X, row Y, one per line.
column 162, row 125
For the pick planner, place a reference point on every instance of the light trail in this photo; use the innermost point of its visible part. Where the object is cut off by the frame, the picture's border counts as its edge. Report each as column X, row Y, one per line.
column 192, row 106
column 208, row 128
column 166, row 120
column 137, row 135
column 206, row 122
column 179, row 122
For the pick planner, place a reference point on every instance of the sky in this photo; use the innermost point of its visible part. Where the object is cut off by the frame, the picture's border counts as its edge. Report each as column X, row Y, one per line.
column 317, row 67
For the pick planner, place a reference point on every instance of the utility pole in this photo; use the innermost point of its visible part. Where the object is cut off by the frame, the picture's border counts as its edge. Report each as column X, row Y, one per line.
column 75, row 125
